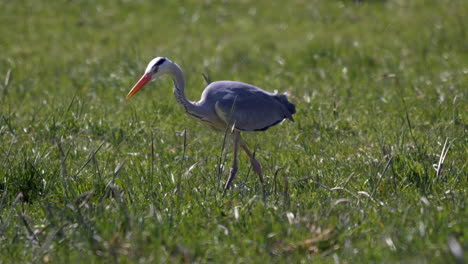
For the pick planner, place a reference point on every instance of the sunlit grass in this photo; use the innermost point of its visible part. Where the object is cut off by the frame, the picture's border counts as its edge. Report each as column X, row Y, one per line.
column 380, row 90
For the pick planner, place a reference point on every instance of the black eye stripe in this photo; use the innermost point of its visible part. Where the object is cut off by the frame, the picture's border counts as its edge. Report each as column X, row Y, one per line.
column 161, row 61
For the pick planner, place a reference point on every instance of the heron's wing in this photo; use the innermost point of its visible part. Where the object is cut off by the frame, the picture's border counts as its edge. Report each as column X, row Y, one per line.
column 251, row 111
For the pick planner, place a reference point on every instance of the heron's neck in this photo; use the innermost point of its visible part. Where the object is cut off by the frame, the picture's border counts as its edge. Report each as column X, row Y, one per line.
column 179, row 89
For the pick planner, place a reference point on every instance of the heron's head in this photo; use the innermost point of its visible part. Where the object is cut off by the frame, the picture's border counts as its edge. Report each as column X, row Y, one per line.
column 157, row 67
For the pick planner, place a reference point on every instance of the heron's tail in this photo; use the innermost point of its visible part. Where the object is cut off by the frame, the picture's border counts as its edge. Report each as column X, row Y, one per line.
column 284, row 100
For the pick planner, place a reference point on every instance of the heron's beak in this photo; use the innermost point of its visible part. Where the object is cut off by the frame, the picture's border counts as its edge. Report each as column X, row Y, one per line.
column 143, row 80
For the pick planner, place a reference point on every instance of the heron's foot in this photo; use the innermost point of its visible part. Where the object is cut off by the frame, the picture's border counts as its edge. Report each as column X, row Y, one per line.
column 232, row 173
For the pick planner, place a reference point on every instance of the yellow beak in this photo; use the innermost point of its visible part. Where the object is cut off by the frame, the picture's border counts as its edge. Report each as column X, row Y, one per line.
column 143, row 80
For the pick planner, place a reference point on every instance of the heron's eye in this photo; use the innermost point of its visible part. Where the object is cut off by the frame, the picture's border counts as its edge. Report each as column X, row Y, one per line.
column 155, row 69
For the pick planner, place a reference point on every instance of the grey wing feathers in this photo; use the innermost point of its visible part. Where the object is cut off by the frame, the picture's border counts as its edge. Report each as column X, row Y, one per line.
column 254, row 111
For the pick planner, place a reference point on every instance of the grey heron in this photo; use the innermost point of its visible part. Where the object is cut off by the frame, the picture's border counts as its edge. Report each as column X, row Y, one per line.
column 235, row 105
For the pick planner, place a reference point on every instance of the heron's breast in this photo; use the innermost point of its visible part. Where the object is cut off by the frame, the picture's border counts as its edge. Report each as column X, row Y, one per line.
column 211, row 121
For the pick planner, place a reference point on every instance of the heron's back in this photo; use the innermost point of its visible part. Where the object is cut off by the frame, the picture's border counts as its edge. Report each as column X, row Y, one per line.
column 251, row 108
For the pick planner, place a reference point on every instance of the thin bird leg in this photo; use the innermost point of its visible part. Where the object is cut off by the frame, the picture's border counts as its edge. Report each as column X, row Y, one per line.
column 255, row 164
column 234, row 163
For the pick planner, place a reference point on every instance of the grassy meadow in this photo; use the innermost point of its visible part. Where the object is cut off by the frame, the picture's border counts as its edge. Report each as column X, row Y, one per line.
column 373, row 170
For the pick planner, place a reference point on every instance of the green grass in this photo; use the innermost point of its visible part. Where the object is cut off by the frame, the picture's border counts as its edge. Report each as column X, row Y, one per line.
column 380, row 88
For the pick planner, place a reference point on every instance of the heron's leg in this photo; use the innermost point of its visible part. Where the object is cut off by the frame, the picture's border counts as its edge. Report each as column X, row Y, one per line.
column 255, row 164
column 233, row 171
